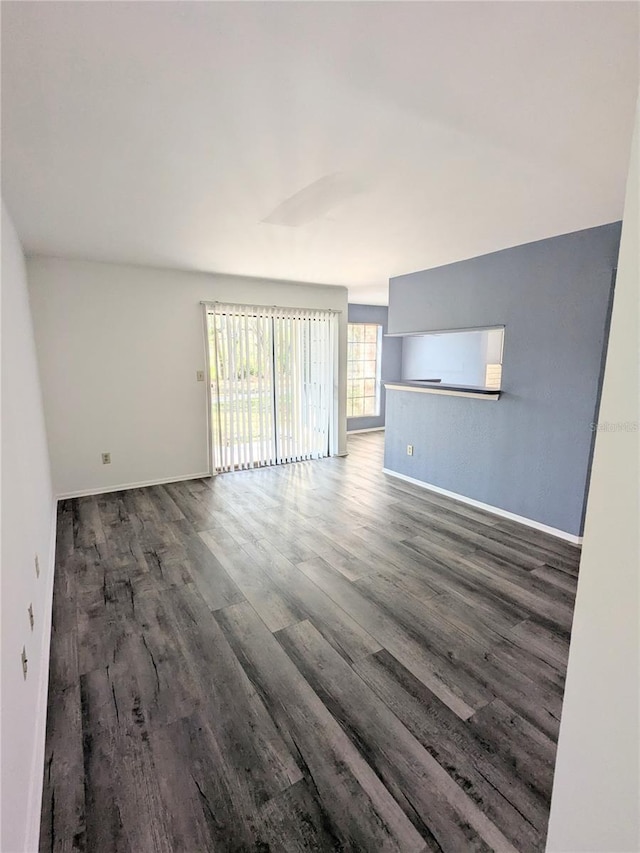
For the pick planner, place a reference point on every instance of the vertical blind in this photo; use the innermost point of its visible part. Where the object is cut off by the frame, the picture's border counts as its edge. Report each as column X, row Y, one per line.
column 272, row 384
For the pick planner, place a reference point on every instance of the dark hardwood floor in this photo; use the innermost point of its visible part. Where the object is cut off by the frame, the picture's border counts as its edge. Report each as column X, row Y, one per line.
column 307, row 657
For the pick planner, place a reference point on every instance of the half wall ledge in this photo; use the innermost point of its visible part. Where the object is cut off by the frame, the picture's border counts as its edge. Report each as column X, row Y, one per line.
column 449, row 390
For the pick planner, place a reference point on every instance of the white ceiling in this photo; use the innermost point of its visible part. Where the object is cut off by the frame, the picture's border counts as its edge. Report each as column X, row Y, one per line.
column 341, row 142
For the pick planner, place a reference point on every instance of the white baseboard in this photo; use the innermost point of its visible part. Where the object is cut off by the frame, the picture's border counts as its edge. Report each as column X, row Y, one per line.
column 371, row 429
column 34, row 807
column 529, row 522
column 103, row 490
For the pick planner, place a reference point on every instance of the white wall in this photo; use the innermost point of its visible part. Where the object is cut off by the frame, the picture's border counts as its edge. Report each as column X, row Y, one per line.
column 119, row 347
column 494, row 339
column 596, row 794
column 28, row 528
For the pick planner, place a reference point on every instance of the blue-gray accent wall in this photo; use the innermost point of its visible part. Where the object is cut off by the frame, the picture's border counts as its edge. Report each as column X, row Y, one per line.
column 529, row 453
column 390, row 358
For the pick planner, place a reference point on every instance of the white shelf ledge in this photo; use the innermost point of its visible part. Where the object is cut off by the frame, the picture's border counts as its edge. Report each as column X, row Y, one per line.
column 450, row 392
column 424, row 332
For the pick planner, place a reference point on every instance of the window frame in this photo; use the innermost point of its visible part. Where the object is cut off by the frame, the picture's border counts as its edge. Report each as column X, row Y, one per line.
column 377, row 397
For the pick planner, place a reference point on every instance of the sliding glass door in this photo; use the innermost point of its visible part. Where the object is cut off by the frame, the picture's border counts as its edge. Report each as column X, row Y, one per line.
column 272, row 384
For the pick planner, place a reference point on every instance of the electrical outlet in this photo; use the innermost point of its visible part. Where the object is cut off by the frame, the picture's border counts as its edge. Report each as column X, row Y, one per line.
column 200, row 375
column 106, row 459
column 23, row 658
column 31, row 617
column 37, row 561
column 409, row 449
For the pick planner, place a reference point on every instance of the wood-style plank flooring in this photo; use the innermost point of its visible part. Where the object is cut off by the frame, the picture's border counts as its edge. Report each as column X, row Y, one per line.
column 313, row 657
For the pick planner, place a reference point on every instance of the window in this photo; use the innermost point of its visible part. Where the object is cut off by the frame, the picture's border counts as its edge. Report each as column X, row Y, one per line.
column 363, row 370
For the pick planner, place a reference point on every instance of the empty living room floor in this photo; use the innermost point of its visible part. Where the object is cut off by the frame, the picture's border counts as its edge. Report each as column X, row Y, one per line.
column 307, row 657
